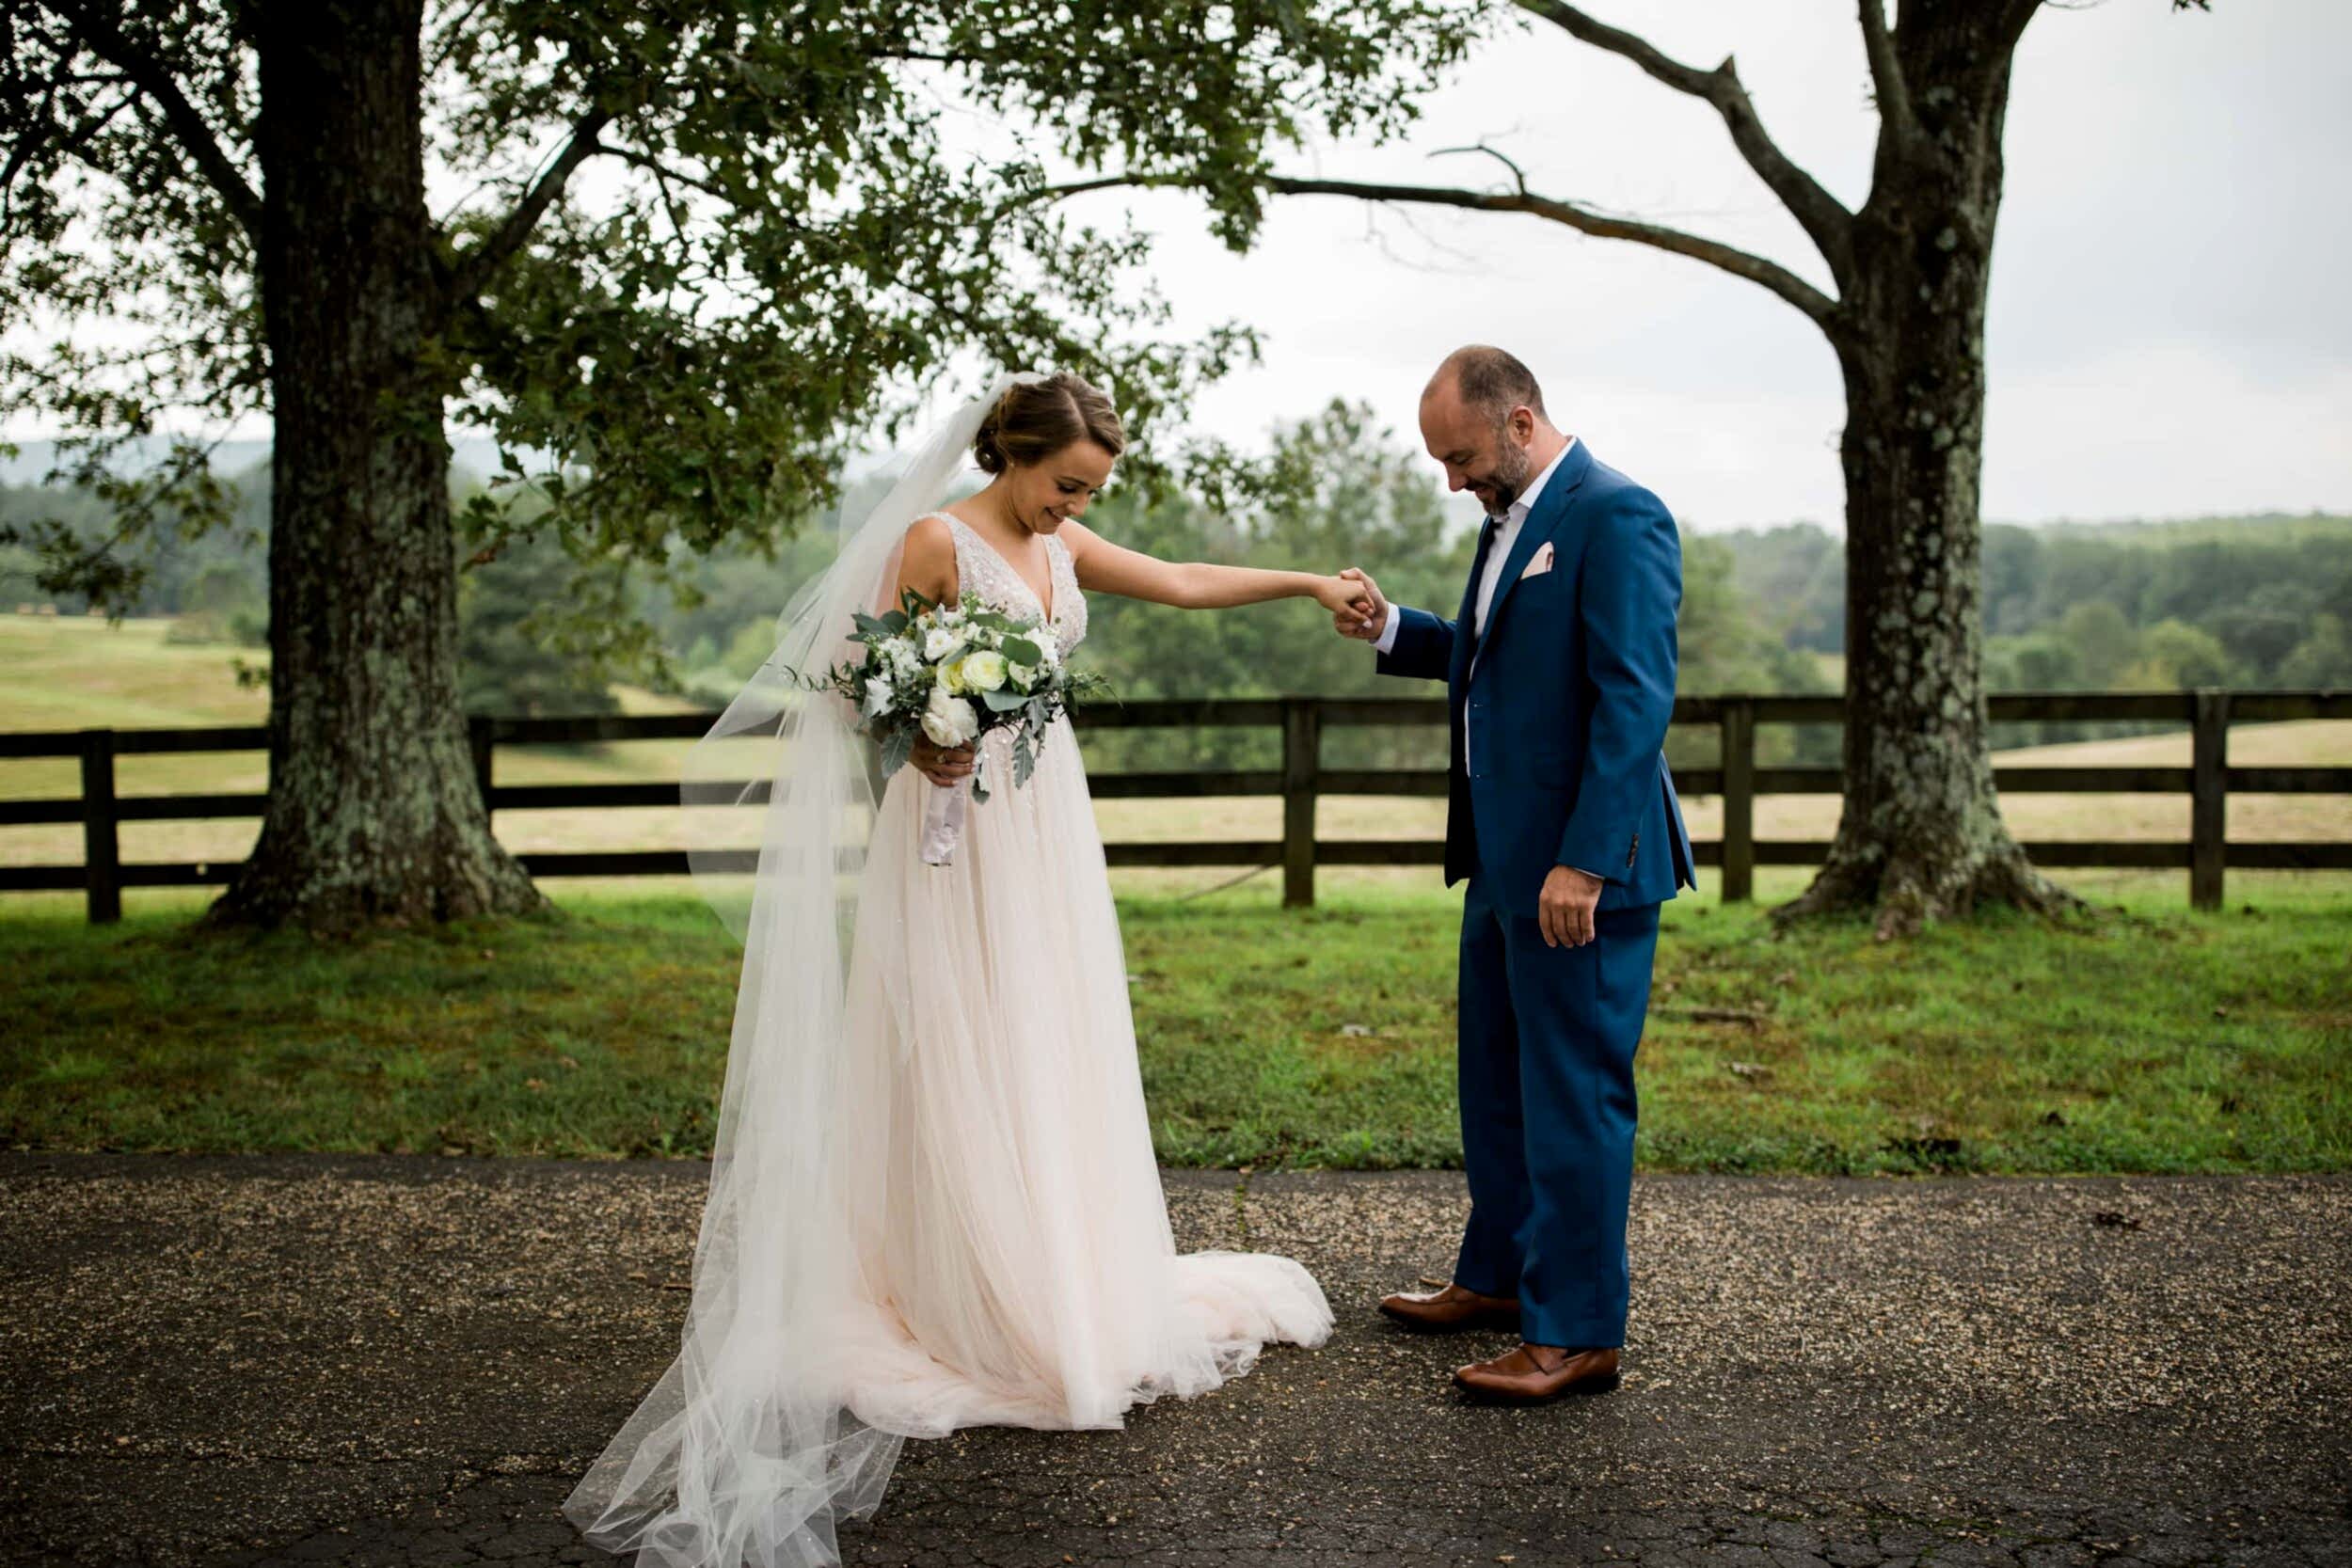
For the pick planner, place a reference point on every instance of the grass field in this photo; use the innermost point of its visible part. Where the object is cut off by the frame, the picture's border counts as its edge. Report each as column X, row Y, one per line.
column 2144, row 1038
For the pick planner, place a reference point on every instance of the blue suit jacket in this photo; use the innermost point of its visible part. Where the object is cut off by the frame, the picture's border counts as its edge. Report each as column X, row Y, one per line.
column 1574, row 682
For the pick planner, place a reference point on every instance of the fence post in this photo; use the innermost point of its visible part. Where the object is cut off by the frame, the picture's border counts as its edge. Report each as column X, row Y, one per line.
column 2208, row 813
column 102, row 854
column 479, row 730
column 1302, row 753
column 1739, row 768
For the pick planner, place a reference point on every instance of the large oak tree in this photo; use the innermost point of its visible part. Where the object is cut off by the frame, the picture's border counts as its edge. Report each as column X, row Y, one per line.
column 691, row 250
column 1921, row 835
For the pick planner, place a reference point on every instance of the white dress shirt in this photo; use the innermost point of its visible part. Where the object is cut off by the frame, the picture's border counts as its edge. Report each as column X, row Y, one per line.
column 1497, row 555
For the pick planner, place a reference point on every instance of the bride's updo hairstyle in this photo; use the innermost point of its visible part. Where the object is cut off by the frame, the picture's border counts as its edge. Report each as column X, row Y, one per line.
column 1037, row 419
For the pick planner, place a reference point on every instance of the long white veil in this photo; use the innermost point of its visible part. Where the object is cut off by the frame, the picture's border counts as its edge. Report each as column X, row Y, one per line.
column 744, row 1451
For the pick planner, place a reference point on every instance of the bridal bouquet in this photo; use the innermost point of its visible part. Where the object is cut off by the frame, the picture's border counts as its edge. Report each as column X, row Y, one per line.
column 954, row 672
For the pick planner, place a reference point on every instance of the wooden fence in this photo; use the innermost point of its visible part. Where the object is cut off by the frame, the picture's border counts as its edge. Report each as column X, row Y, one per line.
column 2208, row 781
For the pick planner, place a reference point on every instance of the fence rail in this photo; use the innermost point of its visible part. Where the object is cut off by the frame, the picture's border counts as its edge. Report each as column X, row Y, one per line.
column 1301, row 781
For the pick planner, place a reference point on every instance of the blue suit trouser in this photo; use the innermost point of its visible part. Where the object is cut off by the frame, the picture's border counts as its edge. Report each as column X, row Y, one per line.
column 1546, row 1074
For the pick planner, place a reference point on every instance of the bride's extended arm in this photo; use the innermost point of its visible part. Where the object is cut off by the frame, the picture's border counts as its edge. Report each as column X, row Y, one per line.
column 1103, row 567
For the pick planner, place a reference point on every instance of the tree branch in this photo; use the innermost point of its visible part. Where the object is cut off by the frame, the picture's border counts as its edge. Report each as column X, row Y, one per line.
column 1886, row 72
column 1518, row 175
column 1740, row 263
column 659, row 169
column 1081, row 187
column 190, row 128
column 466, row 275
column 35, row 135
column 918, row 56
column 473, row 269
column 1822, row 216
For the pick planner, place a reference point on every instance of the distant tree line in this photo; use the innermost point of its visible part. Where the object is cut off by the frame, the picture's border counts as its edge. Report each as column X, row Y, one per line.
column 2263, row 600
column 2256, row 601
column 215, row 585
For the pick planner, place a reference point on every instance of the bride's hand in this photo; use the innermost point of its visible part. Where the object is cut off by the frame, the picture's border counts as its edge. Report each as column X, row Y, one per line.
column 1365, row 612
column 1340, row 595
column 942, row 765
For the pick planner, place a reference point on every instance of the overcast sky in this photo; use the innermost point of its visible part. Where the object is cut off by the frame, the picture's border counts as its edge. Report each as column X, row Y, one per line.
column 2170, row 331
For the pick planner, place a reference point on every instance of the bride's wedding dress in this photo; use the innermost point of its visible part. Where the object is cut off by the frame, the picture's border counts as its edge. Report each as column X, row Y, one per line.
column 934, row 1202
column 1024, row 1269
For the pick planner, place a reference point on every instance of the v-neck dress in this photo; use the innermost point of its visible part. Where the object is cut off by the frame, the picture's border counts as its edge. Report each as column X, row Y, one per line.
column 1019, row 1264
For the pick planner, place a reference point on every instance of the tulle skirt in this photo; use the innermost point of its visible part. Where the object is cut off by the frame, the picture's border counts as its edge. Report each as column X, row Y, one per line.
column 983, row 1239
column 1016, row 1243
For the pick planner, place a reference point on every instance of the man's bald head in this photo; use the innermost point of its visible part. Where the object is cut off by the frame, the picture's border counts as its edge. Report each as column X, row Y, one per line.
column 1489, row 381
column 1481, row 418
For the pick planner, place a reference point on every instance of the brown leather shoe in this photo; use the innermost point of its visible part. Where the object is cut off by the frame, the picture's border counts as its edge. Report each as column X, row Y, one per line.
column 1450, row 1309
column 1533, row 1374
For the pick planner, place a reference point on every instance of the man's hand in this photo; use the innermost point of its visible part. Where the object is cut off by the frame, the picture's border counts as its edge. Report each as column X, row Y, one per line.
column 1365, row 618
column 942, row 767
column 1564, row 909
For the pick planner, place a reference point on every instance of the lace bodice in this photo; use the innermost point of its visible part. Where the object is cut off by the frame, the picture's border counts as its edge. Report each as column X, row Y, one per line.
column 980, row 569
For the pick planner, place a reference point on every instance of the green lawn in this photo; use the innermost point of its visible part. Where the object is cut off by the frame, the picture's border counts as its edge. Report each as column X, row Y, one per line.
column 2145, row 1040
column 2150, row 1040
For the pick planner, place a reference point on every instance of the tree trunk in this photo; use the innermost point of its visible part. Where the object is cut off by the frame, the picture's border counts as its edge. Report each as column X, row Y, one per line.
column 1921, row 836
column 374, row 813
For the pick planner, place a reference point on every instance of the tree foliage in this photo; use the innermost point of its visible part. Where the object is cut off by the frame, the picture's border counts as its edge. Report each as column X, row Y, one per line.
column 688, row 251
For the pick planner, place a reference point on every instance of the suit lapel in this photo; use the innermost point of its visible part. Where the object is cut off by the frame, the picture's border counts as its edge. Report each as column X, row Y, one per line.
column 1466, row 619
column 1542, row 523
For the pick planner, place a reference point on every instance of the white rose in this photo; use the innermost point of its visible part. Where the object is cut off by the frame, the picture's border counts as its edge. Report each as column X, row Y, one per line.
column 879, row 696
column 1022, row 676
column 949, row 719
column 982, row 671
column 938, row 644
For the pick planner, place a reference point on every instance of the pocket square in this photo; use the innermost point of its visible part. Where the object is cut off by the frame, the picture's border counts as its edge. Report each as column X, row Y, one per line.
column 1540, row 564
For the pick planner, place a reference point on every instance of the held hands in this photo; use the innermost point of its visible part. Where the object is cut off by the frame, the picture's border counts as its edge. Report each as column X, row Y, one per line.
column 1365, row 612
column 1564, row 908
column 944, row 766
column 1339, row 594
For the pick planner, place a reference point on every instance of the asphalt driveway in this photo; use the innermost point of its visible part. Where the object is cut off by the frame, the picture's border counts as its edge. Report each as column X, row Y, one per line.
column 407, row 1360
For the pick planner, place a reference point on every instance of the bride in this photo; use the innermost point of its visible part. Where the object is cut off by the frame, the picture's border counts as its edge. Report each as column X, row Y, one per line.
column 933, row 1202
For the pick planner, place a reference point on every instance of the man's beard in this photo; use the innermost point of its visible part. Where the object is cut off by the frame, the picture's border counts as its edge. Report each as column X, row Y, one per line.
column 1511, row 472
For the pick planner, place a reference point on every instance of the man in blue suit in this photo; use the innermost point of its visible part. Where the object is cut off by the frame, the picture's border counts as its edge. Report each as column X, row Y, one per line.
column 1560, row 669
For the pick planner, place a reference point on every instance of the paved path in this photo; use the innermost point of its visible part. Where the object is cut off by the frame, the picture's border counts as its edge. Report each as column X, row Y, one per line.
column 406, row 1361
